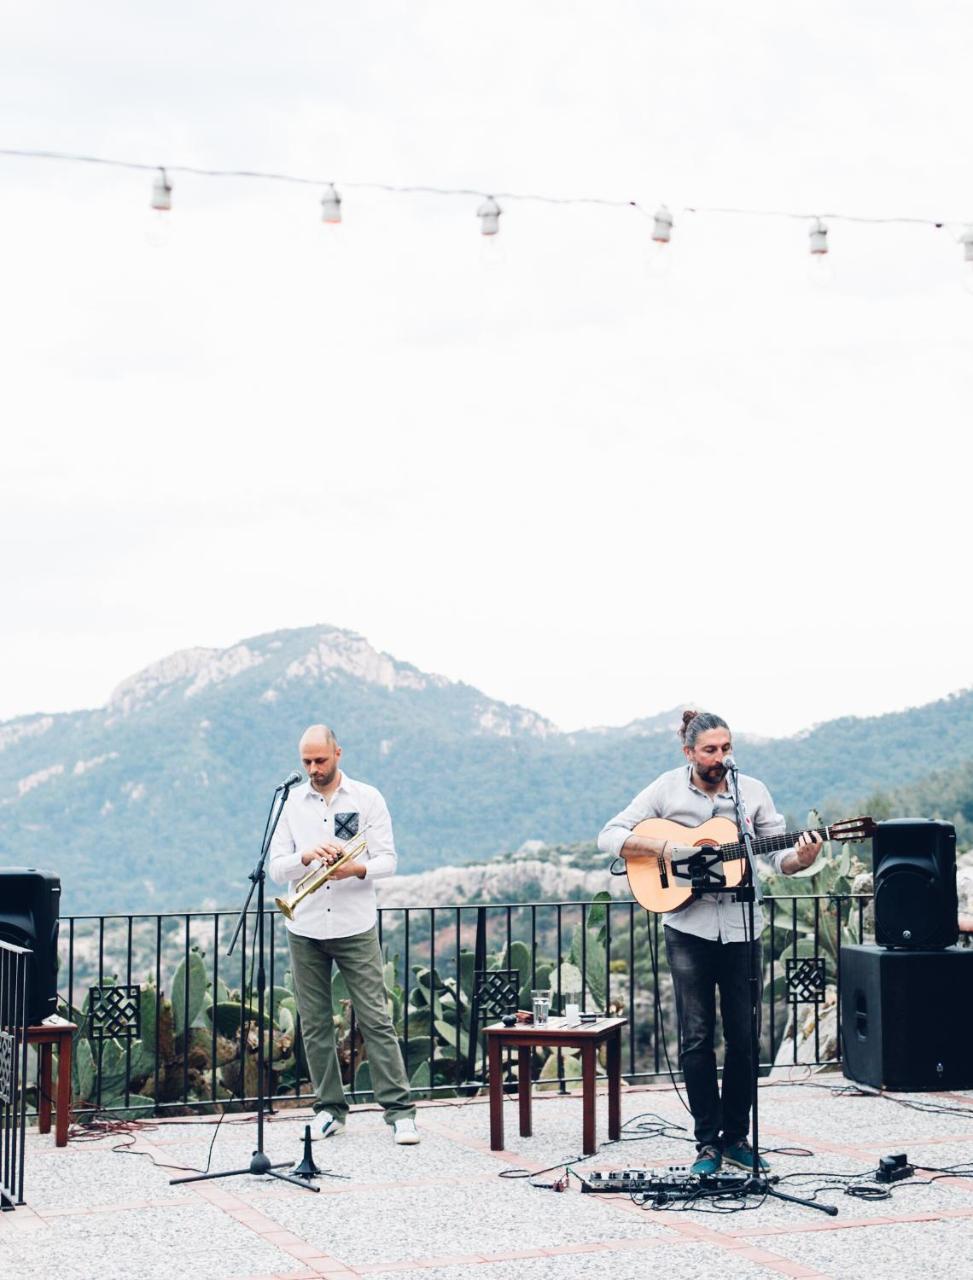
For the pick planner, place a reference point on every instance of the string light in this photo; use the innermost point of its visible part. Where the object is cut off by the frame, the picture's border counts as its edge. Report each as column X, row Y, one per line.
column 162, row 192
column 662, row 225
column 966, row 240
column 489, row 214
column 489, row 209
column 819, row 237
column 330, row 204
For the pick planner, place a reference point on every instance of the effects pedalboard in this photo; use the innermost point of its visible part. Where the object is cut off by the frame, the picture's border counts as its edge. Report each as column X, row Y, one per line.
column 675, row 1180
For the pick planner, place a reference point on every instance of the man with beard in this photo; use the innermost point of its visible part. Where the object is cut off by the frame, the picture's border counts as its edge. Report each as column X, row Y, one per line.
column 338, row 925
column 707, row 941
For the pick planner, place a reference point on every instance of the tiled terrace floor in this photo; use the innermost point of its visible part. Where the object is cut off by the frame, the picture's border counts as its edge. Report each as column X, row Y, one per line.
column 440, row 1211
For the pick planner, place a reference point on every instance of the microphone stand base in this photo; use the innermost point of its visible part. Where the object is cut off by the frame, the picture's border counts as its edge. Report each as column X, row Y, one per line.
column 259, row 1166
column 757, row 1185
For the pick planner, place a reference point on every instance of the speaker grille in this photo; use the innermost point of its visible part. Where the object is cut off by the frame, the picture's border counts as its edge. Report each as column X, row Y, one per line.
column 914, row 861
column 908, row 900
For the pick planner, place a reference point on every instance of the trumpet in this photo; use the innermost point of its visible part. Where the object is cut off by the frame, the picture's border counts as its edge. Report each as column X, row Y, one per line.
column 313, row 879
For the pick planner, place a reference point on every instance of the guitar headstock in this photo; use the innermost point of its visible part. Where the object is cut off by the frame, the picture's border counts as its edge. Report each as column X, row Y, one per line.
column 852, row 829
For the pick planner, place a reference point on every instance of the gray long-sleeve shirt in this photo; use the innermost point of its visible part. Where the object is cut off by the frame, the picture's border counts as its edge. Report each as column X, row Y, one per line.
column 673, row 795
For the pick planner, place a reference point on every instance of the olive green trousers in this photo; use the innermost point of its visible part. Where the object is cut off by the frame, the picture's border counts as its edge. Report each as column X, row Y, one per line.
column 359, row 961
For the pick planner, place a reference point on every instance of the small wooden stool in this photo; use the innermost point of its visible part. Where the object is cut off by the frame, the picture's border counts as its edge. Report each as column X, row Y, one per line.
column 56, row 1031
column 554, row 1034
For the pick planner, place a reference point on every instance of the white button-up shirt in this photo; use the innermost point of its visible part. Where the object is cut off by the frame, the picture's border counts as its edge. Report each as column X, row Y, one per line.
column 675, row 796
column 340, row 908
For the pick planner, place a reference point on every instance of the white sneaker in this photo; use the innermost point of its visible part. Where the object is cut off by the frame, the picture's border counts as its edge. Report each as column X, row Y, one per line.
column 330, row 1127
column 406, row 1134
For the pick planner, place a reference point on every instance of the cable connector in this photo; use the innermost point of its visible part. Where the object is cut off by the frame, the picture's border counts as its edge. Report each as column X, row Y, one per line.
column 893, row 1168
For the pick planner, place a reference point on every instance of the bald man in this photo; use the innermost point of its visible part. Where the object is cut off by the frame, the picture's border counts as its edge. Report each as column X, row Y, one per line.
column 338, row 924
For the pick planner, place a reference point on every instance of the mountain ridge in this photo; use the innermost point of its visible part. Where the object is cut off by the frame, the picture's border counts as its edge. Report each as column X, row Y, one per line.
column 163, row 791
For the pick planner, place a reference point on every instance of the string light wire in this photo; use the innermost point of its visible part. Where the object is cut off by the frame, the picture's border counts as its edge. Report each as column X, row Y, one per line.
column 960, row 229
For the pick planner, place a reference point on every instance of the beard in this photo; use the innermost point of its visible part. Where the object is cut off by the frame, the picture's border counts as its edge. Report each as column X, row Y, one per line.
column 711, row 773
column 324, row 777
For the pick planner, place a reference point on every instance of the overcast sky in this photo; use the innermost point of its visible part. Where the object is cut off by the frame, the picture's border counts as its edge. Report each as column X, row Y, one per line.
column 548, row 466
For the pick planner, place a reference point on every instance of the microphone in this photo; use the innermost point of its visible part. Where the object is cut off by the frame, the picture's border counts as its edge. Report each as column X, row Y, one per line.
column 730, row 765
column 290, row 781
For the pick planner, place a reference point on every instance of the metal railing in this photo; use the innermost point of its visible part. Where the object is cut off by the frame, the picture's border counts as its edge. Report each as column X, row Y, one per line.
column 167, row 1023
column 14, row 967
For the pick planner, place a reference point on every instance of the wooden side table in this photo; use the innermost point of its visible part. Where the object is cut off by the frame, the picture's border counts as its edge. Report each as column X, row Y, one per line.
column 55, row 1031
column 554, row 1035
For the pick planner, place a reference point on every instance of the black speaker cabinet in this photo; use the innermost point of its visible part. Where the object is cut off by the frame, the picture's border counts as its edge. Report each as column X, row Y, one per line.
column 907, row 1018
column 914, row 864
column 29, row 905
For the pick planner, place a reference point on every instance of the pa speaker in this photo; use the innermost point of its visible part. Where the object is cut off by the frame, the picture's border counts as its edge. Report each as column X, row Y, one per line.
column 29, row 904
column 914, row 864
column 907, row 1018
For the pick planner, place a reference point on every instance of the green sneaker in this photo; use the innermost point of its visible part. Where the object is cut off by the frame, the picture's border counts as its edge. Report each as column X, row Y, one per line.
column 707, row 1161
column 741, row 1154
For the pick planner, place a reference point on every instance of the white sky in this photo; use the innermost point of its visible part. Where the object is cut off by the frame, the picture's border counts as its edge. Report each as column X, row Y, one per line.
column 560, row 476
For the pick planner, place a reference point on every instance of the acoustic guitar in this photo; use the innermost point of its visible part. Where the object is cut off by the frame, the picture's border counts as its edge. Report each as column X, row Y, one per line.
column 663, row 883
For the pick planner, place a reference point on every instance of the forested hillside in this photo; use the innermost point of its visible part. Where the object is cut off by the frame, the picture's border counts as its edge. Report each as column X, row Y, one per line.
column 157, row 801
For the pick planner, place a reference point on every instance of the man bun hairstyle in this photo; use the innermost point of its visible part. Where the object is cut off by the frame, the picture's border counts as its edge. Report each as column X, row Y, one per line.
column 696, row 722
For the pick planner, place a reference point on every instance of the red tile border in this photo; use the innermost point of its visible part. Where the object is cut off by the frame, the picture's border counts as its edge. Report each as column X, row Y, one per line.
column 783, row 1265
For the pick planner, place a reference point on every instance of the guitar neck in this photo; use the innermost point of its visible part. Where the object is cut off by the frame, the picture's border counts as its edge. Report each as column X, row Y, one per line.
column 770, row 844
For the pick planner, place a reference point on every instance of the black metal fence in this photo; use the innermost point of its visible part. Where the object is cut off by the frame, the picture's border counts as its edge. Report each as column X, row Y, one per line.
column 14, row 965
column 167, row 1022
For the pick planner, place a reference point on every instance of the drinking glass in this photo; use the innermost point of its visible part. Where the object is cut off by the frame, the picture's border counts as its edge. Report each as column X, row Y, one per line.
column 541, row 1001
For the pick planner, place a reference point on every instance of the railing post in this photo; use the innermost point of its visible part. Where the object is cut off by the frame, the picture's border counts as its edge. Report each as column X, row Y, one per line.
column 14, row 963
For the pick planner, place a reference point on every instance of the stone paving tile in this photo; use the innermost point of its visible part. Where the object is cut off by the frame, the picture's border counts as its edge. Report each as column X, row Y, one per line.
column 688, row 1261
column 887, row 1249
column 481, row 1217
column 83, row 1177
column 365, row 1153
column 856, row 1119
column 556, row 1124
column 151, row 1244
column 442, row 1204
column 800, row 1177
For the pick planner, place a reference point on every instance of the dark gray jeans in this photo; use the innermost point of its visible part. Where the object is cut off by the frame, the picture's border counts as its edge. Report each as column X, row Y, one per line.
column 699, row 969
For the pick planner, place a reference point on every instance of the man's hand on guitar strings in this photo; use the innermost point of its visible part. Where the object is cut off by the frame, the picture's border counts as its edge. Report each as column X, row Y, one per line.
column 809, row 844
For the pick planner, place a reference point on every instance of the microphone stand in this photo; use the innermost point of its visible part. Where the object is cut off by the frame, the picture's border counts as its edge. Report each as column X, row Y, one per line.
column 746, row 892
column 259, row 1163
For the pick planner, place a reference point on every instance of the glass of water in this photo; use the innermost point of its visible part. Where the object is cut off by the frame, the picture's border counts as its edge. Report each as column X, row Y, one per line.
column 541, row 1001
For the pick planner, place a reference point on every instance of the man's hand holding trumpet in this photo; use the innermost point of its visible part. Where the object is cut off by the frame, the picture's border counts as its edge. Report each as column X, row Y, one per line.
column 328, row 855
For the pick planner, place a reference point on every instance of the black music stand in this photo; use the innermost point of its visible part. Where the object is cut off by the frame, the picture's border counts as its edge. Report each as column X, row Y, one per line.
column 702, row 870
column 259, row 1163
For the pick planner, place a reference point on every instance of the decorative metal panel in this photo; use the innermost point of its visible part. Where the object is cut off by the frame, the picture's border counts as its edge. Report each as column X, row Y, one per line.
column 806, row 979
column 115, row 1013
column 7, row 1050
column 495, row 992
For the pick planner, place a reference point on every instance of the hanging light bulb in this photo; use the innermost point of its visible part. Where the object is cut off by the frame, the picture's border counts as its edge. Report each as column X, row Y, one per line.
column 966, row 240
column 162, row 192
column 820, row 272
column 330, row 204
column 819, row 238
column 489, row 214
column 658, row 258
column 662, row 225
